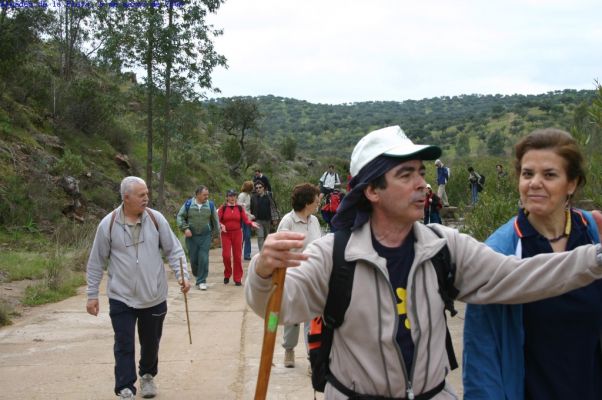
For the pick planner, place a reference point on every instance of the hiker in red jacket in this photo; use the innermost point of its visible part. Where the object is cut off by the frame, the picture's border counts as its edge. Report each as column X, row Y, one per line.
column 231, row 217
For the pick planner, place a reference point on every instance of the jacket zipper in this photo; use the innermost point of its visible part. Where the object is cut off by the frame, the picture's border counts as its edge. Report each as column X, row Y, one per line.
column 409, row 388
column 417, row 322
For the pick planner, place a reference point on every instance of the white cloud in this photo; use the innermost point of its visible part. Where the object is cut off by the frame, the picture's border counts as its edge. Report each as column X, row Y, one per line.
column 337, row 51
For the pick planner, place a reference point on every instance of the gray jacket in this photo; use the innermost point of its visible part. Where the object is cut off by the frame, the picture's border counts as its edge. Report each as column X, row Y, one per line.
column 365, row 356
column 136, row 275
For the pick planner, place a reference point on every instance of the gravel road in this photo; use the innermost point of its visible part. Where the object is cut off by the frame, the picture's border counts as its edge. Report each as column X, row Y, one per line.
column 58, row 351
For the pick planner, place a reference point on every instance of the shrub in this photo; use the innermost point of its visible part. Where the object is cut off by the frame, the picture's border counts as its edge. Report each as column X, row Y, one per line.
column 13, row 197
column 288, row 148
column 75, row 240
column 88, row 105
column 496, row 205
column 69, row 164
column 231, row 150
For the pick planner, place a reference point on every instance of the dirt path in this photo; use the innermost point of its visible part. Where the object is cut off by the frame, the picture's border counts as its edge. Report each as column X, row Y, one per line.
column 58, row 351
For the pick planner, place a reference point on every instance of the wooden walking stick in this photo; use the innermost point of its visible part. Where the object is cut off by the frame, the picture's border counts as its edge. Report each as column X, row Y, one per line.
column 269, row 335
column 185, row 301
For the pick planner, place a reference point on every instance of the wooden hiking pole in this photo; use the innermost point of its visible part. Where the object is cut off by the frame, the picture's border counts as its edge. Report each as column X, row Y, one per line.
column 272, row 315
column 185, row 301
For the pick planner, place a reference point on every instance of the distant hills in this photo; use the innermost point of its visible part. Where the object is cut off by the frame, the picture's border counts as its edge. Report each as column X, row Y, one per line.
column 329, row 130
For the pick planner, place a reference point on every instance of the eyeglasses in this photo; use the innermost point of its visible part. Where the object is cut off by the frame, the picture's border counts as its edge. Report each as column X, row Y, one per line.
column 128, row 239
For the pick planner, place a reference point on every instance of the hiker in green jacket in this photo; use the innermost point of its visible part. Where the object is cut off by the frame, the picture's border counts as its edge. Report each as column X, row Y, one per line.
column 197, row 218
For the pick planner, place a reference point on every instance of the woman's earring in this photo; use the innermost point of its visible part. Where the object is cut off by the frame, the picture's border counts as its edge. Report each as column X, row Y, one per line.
column 567, row 205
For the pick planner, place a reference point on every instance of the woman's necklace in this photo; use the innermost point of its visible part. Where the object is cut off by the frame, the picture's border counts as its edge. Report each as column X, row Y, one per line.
column 567, row 228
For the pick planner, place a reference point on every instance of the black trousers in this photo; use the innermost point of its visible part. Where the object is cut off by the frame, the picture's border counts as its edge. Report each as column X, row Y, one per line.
column 150, row 327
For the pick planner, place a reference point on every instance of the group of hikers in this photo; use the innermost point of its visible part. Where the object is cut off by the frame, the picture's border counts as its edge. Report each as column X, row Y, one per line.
column 533, row 324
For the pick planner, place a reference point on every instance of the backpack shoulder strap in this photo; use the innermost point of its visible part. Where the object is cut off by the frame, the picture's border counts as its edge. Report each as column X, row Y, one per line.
column 153, row 218
column 341, row 282
column 590, row 222
column 113, row 216
column 212, row 211
column 340, row 286
column 446, row 273
column 187, row 205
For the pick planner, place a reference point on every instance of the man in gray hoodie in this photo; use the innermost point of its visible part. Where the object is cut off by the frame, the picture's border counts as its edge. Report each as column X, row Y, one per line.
column 130, row 240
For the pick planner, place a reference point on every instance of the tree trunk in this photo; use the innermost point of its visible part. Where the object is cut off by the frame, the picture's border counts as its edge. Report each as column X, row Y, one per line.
column 65, row 45
column 168, row 113
column 149, row 111
column 242, row 164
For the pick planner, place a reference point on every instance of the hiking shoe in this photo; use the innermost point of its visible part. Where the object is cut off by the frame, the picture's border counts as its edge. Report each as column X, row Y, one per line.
column 148, row 389
column 202, row 286
column 126, row 394
column 289, row 358
column 226, row 280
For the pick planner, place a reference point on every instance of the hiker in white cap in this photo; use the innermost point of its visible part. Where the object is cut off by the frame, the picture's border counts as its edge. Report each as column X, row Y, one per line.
column 391, row 343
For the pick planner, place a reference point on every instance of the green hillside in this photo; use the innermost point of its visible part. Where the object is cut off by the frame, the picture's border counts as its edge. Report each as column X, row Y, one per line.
column 319, row 128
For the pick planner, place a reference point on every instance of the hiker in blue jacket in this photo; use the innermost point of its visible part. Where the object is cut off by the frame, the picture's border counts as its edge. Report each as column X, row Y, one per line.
column 198, row 220
column 548, row 349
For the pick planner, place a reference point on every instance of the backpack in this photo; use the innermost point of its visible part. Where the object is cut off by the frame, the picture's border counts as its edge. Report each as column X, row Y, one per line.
column 480, row 182
column 150, row 214
column 114, row 215
column 188, row 203
column 340, row 286
column 337, row 179
column 436, row 204
column 332, row 201
column 221, row 219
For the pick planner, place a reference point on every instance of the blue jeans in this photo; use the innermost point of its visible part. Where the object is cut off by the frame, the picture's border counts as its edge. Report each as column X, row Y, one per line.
column 150, row 327
column 246, row 241
column 198, row 249
column 474, row 194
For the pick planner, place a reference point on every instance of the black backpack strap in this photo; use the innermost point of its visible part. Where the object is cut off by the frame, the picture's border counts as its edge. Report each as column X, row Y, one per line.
column 446, row 273
column 341, row 282
column 340, row 286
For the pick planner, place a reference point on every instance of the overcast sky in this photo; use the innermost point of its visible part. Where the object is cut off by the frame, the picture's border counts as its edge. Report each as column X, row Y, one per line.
column 337, row 51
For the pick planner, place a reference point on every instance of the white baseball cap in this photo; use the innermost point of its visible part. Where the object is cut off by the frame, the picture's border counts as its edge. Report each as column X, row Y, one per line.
column 390, row 141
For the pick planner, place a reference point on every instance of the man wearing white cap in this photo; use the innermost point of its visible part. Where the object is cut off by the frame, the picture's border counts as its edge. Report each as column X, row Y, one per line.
column 391, row 344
